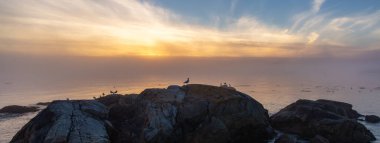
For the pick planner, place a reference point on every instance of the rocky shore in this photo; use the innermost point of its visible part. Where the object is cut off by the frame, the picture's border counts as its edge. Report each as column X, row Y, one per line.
column 193, row 113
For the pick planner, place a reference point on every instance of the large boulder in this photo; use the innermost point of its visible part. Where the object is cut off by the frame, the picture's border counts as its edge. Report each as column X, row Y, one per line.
column 67, row 121
column 16, row 109
column 335, row 121
column 191, row 113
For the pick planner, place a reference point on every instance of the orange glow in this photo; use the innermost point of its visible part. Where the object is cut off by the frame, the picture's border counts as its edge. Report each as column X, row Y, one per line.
column 146, row 31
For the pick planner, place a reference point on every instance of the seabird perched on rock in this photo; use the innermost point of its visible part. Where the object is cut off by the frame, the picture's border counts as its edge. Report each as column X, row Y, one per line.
column 113, row 92
column 187, row 81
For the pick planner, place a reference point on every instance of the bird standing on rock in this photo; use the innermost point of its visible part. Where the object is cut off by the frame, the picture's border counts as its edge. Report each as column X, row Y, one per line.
column 187, row 81
column 113, row 92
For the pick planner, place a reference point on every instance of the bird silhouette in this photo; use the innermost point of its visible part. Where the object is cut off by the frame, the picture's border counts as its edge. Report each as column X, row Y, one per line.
column 187, row 81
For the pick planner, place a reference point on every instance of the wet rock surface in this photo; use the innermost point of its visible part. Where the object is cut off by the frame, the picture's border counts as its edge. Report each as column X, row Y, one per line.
column 335, row 121
column 16, row 109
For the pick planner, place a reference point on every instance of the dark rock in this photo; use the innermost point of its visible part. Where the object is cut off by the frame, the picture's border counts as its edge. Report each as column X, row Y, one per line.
column 15, row 109
column 333, row 120
column 339, row 108
column 372, row 118
column 319, row 139
column 67, row 121
column 192, row 113
column 117, row 99
column 285, row 139
column 43, row 103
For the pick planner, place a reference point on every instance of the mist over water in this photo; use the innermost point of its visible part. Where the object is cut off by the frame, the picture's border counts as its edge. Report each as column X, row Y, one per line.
column 60, row 77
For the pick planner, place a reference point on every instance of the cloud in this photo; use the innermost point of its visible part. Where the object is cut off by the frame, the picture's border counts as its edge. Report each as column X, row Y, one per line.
column 351, row 31
column 140, row 28
column 317, row 5
column 312, row 37
column 354, row 33
column 107, row 28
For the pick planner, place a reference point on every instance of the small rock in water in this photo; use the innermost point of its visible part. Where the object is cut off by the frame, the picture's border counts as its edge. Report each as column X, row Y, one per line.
column 16, row 109
column 372, row 118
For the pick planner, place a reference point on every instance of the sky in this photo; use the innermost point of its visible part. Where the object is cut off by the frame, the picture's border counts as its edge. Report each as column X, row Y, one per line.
column 194, row 28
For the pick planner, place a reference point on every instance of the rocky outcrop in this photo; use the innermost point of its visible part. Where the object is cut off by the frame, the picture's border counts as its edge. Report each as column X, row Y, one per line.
column 15, row 109
column 372, row 118
column 192, row 113
column 335, row 121
column 67, row 121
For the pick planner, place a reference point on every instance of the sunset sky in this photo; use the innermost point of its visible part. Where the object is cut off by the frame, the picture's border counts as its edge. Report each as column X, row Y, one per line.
column 215, row 28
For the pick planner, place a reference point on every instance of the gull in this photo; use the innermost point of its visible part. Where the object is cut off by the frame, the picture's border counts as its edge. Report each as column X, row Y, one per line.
column 187, row 81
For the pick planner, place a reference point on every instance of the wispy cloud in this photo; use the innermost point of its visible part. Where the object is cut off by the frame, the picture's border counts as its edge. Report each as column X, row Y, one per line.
column 233, row 5
column 343, row 35
column 130, row 28
column 317, row 5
